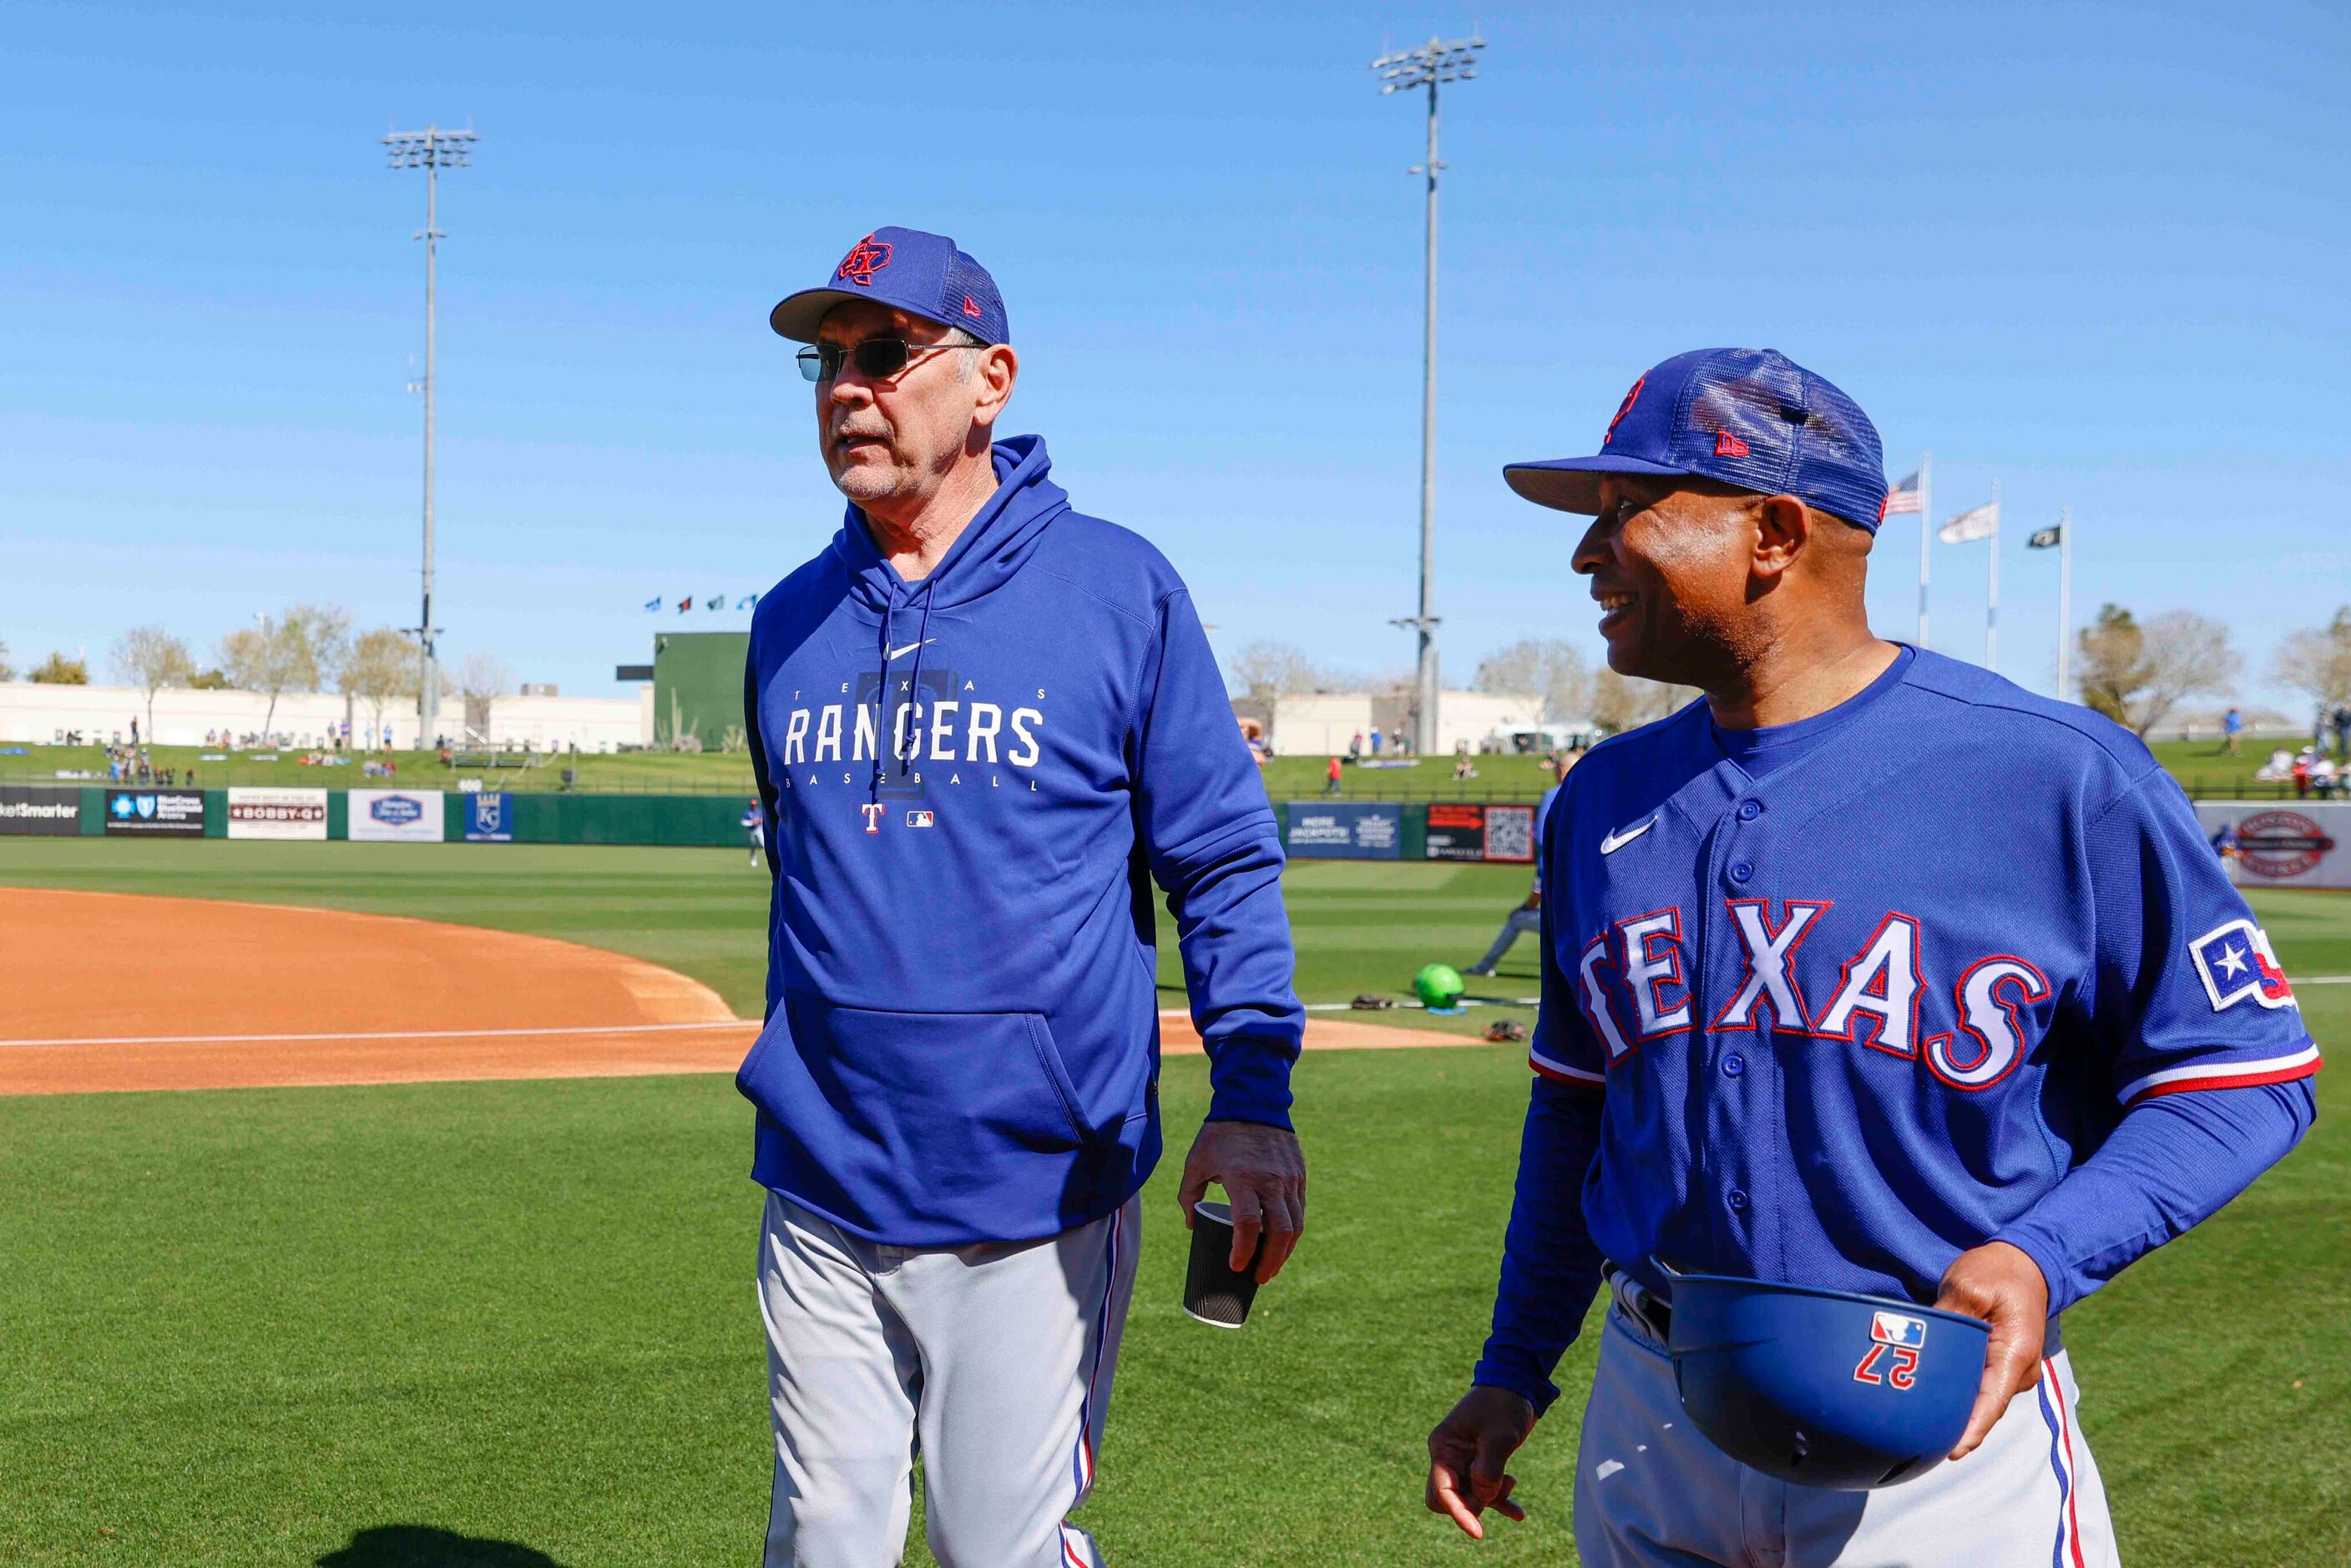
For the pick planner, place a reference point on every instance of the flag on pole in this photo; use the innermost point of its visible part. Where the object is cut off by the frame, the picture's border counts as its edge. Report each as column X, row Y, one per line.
column 684, row 604
column 2046, row 539
column 1975, row 523
column 747, row 600
column 1902, row 497
column 716, row 601
column 654, row 603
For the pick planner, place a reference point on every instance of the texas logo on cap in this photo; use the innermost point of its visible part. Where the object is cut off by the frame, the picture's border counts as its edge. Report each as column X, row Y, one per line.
column 1750, row 417
column 921, row 274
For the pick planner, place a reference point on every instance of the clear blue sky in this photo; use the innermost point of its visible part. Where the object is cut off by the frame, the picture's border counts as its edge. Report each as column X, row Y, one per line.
column 2098, row 253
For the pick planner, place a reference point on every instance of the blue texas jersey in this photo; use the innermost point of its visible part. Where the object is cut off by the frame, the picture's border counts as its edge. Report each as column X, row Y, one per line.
column 1854, row 1018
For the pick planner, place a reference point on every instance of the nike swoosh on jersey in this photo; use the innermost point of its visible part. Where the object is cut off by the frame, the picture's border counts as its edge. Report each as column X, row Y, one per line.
column 1613, row 841
column 912, row 646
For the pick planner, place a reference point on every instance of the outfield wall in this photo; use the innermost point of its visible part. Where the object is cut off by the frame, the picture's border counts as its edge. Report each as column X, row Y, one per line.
column 376, row 816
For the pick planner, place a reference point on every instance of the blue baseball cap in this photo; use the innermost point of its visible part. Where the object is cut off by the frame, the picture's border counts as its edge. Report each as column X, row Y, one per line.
column 921, row 274
column 1749, row 417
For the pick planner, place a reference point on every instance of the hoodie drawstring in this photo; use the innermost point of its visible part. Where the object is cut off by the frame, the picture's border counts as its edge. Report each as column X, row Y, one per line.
column 913, row 686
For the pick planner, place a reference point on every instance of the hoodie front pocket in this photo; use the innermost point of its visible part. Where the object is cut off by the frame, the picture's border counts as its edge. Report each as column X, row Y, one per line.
column 953, row 1096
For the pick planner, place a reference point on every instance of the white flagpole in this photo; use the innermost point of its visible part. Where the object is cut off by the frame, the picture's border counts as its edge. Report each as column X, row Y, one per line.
column 1991, row 597
column 1926, row 538
column 2064, row 595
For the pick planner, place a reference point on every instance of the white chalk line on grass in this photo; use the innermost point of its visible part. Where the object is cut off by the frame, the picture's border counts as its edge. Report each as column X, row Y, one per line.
column 392, row 1034
column 558, row 1030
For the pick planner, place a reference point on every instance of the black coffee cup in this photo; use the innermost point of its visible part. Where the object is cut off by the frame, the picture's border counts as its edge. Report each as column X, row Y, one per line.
column 1215, row 1292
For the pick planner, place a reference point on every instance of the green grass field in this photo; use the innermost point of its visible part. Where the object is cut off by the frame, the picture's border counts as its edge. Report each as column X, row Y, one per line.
column 506, row 1325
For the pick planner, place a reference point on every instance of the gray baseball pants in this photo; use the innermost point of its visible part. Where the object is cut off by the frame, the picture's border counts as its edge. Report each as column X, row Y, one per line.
column 1521, row 923
column 1651, row 1491
column 992, row 1362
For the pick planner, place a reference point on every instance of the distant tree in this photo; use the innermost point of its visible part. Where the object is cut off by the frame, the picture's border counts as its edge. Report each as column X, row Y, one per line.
column 7, row 670
column 1546, row 668
column 210, row 681
column 2136, row 674
column 152, row 659
column 2316, row 662
column 380, row 671
column 1267, row 669
column 59, row 671
column 1620, row 703
column 484, row 679
column 297, row 652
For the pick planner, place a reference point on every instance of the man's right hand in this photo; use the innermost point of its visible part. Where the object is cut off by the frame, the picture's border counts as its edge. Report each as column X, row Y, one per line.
column 1467, row 1453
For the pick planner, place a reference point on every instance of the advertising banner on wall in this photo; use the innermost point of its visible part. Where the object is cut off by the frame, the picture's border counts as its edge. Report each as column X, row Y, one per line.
column 2306, row 844
column 396, row 816
column 1456, row 832
column 1345, row 830
column 1511, row 834
column 153, row 813
column 53, row 813
column 277, row 813
column 489, row 818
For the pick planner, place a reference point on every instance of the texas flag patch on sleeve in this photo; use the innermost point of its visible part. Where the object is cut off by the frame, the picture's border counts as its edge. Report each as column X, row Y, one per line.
column 2235, row 961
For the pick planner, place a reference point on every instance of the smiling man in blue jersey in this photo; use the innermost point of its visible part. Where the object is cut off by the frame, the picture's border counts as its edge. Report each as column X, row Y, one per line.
column 1872, row 972
column 983, row 726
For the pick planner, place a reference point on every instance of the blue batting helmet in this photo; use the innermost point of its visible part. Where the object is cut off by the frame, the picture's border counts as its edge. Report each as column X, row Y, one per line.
column 1824, row 1388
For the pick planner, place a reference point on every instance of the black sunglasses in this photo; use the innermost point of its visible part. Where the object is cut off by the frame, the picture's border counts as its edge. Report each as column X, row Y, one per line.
column 876, row 359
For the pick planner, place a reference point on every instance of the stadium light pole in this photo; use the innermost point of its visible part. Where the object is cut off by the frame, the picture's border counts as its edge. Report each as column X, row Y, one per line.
column 1436, row 61
column 431, row 149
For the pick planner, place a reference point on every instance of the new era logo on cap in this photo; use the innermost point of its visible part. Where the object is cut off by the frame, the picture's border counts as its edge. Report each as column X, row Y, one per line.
column 1749, row 417
column 921, row 274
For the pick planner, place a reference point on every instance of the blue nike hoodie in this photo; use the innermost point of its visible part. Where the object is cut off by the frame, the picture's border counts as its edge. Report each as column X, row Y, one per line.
column 970, row 783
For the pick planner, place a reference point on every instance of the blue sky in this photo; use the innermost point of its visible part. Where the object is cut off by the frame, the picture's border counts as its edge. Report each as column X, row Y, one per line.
column 2097, row 253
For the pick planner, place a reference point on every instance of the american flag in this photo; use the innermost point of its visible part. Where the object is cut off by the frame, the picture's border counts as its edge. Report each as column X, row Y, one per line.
column 1902, row 497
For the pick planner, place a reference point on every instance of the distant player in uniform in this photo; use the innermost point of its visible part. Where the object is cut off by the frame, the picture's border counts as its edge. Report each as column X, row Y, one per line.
column 1526, row 920
column 1868, row 972
column 983, row 725
column 755, row 824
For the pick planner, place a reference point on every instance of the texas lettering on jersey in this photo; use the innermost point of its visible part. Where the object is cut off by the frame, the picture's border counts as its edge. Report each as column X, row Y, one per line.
column 1970, row 1029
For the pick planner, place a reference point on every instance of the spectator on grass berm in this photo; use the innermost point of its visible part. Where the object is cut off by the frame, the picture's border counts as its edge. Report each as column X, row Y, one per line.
column 979, row 720
column 1331, row 778
column 2233, row 727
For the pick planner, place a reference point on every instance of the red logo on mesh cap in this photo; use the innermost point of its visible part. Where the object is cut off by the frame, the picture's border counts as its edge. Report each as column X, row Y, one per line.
column 866, row 258
column 1622, row 409
column 970, row 306
column 1728, row 446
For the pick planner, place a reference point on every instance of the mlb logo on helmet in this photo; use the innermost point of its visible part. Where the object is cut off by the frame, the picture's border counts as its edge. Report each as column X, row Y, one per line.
column 1893, row 1328
column 2235, row 961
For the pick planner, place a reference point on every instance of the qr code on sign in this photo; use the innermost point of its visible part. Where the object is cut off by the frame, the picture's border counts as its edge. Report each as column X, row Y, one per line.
column 1509, row 832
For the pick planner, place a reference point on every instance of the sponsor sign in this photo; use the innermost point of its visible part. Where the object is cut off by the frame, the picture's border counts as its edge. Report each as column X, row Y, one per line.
column 1456, row 832
column 52, row 813
column 1511, row 834
column 153, row 813
column 277, row 813
column 2306, row 844
column 489, row 816
column 1345, row 830
column 396, row 816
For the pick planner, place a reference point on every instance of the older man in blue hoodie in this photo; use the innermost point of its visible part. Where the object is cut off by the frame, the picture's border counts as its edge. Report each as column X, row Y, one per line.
column 983, row 725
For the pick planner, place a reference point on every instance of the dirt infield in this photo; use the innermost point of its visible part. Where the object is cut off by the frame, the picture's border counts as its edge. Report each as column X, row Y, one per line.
column 111, row 991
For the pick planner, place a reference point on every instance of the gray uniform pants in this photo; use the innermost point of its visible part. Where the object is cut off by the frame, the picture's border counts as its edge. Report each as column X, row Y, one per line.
column 1522, row 922
column 993, row 1362
column 1651, row 1491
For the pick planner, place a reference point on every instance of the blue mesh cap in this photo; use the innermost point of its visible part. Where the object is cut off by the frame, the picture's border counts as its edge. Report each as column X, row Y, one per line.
column 1749, row 417
column 921, row 274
